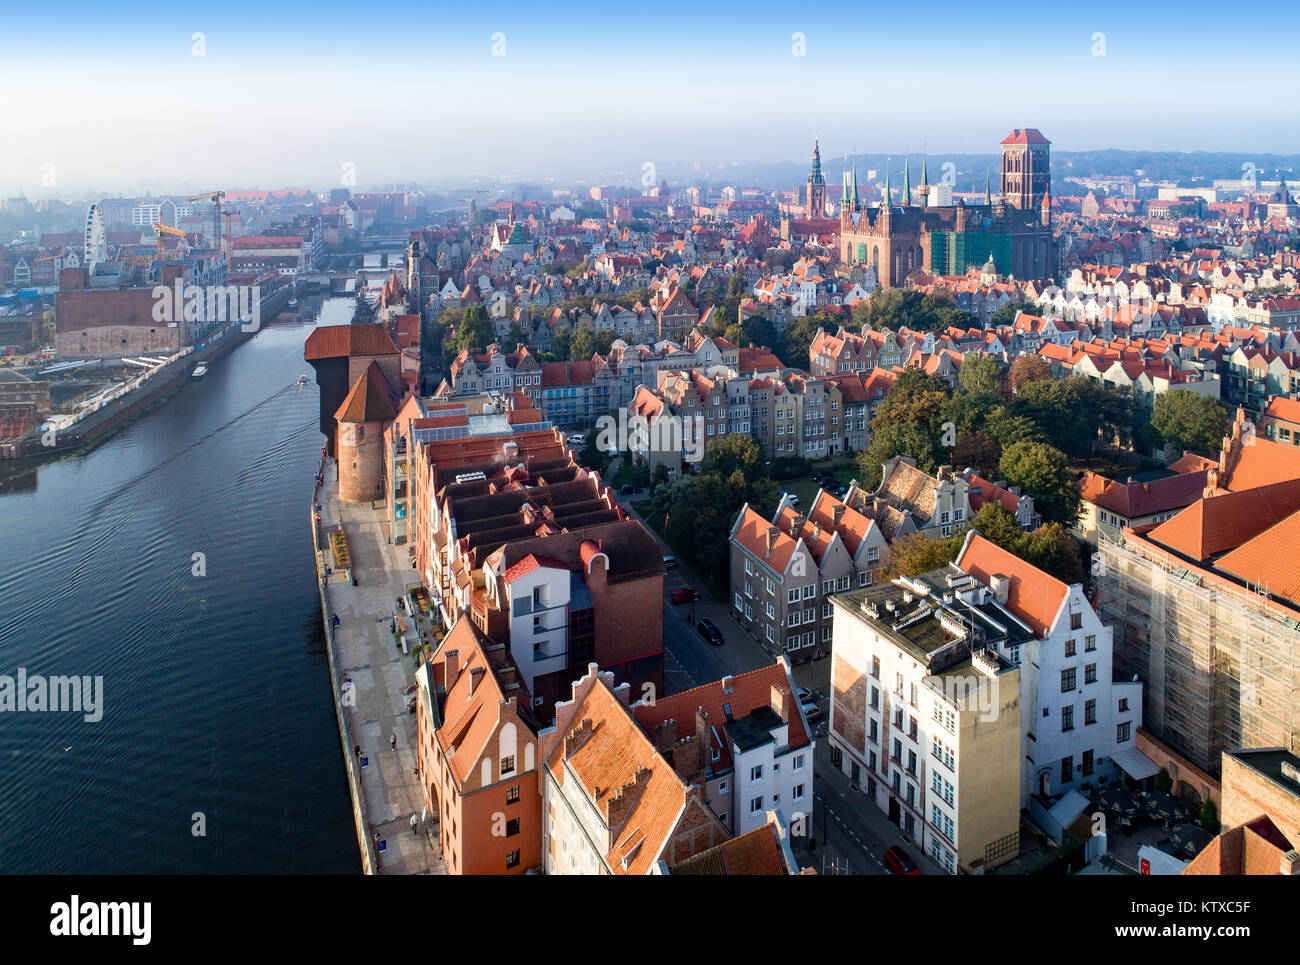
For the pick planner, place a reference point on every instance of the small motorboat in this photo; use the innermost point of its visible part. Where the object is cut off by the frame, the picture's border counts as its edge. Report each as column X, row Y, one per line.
column 293, row 302
column 200, row 370
column 303, row 378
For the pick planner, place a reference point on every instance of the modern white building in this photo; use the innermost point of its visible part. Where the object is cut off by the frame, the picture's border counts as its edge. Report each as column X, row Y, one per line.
column 1080, row 724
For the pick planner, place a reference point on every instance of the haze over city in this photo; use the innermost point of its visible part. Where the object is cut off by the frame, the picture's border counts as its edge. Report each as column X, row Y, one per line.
column 278, row 96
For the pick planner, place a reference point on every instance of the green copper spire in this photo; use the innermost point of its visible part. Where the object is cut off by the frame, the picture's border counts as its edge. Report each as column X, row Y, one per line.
column 988, row 191
column 925, row 176
column 856, row 204
column 815, row 174
column 889, row 195
column 907, row 180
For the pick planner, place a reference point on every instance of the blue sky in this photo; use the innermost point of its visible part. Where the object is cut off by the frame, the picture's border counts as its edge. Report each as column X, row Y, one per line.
column 113, row 95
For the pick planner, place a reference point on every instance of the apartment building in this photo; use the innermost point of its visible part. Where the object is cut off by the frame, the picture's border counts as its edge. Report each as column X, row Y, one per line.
column 1110, row 506
column 753, row 749
column 926, row 714
column 1079, row 721
column 612, row 804
column 940, row 505
column 477, row 756
column 784, row 572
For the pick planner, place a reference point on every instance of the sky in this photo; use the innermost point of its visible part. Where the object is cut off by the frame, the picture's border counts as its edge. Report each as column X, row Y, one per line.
column 117, row 97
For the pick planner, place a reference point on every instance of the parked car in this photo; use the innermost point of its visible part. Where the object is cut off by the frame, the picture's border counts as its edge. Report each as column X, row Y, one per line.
column 793, row 499
column 710, row 632
column 804, row 694
column 899, row 862
column 629, row 490
column 811, row 712
column 670, row 561
column 685, row 595
column 577, row 439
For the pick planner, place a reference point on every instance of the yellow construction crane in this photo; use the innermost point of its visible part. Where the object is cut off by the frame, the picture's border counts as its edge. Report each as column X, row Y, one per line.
column 216, row 197
column 162, row 231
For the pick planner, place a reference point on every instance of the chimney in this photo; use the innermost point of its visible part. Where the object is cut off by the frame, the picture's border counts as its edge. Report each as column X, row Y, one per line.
column 577, row 737
column 772, row 534
column 703, row 732
column 688, row 759
column 451, row 671
column 620, row 804
column 837, row 513
column 779, row 701
column 1001, row 586
column 475, row 677
column 665, row 734
column 817, row 532
column 1291, row 863
column 796, row 524
column 726, row 684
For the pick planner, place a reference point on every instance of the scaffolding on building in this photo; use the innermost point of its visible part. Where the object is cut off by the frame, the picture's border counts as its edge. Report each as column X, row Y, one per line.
column 1220, row 662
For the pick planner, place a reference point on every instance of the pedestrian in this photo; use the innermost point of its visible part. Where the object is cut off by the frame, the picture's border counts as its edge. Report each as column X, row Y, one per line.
column 392, row 742
column 357, row 751
column 336, row 619
column 413, row 824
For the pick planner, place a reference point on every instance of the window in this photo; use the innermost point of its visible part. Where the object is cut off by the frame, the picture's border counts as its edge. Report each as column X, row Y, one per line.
column 911, row 762
column 512, row 859
column 1067, row 770
column 810, row 591
column 1090, row 674
column 1076, row 621
column 1089, row 712
column 1087, row 763
column 798, row 763
column 755, row 805
column 508, row 764
column 512, row 827
column 1123, row 705
column 792, row 596
column 797, row 795
column 1123, row 732
column 512, row 794
column 722, row 787
column 875, row 667
column 1067, row 719
column 1067, row 680
column 755, row 773
column 1089, row 643
column 897, row 756
column 749, row 568
column 1069, row 647
column 872, row 734
column 875, row 698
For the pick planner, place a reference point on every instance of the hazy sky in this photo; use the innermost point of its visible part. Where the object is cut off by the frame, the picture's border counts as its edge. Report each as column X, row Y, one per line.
column 111, row 97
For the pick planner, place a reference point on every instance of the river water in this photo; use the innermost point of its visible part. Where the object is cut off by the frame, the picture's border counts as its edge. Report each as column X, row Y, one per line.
column 217, row 709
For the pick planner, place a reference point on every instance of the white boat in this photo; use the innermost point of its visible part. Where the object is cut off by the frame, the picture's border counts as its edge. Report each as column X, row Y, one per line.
column 200, row 370
column 303, row 378
column 293, row 302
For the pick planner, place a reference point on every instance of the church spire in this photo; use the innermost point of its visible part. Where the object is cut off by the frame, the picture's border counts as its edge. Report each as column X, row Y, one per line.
column 988, row 189
column 857, row 205
column 815, row 173
column 907, row 180
column 889, row 195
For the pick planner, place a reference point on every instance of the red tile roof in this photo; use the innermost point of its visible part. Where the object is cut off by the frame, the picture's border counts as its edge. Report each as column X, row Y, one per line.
column 369, row 400
column 1033, row 596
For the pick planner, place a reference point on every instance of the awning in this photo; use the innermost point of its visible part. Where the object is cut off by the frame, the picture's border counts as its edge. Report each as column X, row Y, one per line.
column 1136, row 764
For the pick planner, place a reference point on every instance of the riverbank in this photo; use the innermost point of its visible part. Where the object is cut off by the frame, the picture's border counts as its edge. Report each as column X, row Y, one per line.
column 370, row 673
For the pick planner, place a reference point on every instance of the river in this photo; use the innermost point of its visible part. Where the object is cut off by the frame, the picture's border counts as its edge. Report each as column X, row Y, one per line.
column 174, row 561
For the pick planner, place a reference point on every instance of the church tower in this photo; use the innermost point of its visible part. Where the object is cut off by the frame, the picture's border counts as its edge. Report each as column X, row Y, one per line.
column 816, row 196
column 1026, row 168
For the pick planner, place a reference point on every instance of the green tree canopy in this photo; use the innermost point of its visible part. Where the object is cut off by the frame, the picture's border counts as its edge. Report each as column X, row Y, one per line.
column 1041, row 471
column 1189, row 421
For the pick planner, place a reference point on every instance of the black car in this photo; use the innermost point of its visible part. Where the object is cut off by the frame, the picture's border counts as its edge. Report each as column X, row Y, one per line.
column 710, row 632
column 628, row 490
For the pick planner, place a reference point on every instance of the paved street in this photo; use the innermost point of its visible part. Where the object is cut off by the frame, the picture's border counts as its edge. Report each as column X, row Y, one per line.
column 851, row 832
column 378, row 674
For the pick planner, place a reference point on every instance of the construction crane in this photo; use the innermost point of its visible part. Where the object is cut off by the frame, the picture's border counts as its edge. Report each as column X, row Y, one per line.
column 216, row 197
column 162, row 231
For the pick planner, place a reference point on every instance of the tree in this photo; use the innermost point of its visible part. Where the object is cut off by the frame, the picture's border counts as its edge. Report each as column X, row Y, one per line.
column 1007, row 429
column 796, row 340
column 1041, row 471
column 915, row 554
column 970, row 411
column 759, row 331
column 898, row 439
column 515, row 336
column 735, row 452
column 1027, row 368
column 736, row 336
column 736, row 285
column 1006, row 314
column 1189, row 421
column 980, row 373
column 475, row 331
column 1055, row 408
column 1053, row 550
column 603, row 339
column 1209, row 816
column 978, row 451
column 582, row 345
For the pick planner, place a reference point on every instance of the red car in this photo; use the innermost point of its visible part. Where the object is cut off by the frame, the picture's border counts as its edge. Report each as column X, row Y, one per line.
column 899, row 862
column 685, row 595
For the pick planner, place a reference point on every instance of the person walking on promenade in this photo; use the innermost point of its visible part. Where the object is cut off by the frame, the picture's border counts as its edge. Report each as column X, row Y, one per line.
column 392, row 742
column 413, row 826
column 357, row 751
